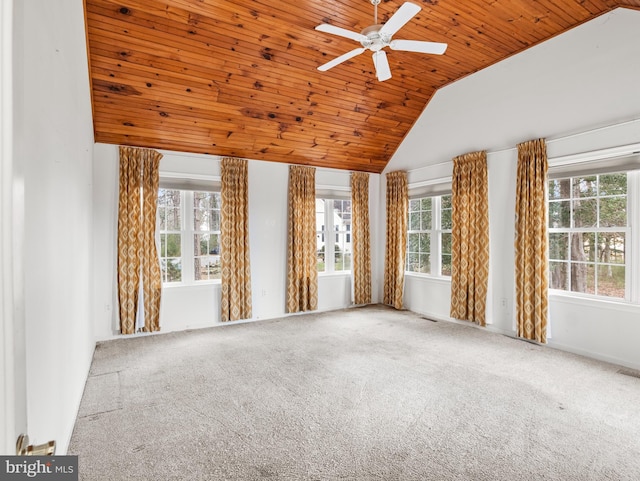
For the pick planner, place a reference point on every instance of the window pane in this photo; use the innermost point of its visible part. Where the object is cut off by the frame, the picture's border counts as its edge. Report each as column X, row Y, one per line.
column 611, row 281
column 202, row 219
column 320, row 262
column 558, row 275
column 414, row 221
column 425, row 217
column 445, row 212
column 613, row 212
column 425, row 243
column 414, row 205
column 414, row 242
column 163, row 245
column 585, row 186
column 559, row 214
column 585, row 213
column 342, row 214
column 206, row 267
column 201, row 244
column 347, row 262
column 213, row 265
column 172, row 270
column 214, row 244
column 583, row 277
column 425, row 265
column 559, row 189
column 611, row 247
column 338, row 261
column 413, row 262
column 173, row 219
column 446, row 264
column 558, row 246
column 162, row 216
column 613, row 184
column 446, row 243
column 583, row 246
column 426, row 203
column 169, row 197
column 173, row 245
column 320, row 206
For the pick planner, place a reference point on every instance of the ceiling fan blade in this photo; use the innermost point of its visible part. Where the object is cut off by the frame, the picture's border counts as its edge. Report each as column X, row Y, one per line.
column 343, row 32
column 402, row 16
column 381, row 64
column 340, row 59
column 418, row 46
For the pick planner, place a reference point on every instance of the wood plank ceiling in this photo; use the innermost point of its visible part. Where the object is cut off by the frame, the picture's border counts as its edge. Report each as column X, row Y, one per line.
column 239, row 78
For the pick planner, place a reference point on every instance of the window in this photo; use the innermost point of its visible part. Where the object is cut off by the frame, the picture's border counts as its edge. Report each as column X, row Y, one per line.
column 333, row 226
column 189, row 230
column 590, row 234
column 170, row 215
column 429, row 235
column 206, row 235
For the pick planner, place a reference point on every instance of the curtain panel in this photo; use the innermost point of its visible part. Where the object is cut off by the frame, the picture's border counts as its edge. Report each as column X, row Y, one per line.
column 470, row 238
column 531, row 254
column 361, row 241
column 397, row 203
column 137, row 251
column 234, row 240
column 302, row 271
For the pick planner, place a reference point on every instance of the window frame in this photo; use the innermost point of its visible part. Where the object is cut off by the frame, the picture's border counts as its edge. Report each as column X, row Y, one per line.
column 328, row 234
column 631, row 230
column 435, row 236
column 166, row 232
column 193, row 232
column 187, row 239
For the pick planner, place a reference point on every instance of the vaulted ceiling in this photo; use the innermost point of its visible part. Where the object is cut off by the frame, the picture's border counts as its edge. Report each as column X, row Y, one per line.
column 239, row 78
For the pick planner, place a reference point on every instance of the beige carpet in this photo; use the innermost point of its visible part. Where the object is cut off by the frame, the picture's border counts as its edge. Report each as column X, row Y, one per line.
column 359, row 394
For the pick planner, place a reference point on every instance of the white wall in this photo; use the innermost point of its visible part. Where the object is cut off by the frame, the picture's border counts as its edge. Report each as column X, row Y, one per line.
column 588, row 103
column 54, row 143
column 185, row 307
column 586, row 77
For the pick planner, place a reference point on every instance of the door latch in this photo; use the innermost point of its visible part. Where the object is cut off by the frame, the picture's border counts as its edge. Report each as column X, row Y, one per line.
column 23, row 448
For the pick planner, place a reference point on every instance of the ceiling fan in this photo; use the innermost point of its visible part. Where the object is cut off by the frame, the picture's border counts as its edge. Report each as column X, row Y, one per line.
column 376, row 37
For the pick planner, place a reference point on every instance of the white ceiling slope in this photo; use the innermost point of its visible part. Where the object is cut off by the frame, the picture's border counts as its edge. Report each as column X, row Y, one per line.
column 585, row 78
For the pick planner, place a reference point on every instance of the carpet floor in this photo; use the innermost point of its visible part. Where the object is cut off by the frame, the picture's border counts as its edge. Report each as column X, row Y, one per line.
column 359, row 394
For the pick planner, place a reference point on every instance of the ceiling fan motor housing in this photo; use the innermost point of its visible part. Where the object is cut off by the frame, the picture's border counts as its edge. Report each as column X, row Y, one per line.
column 375, row 40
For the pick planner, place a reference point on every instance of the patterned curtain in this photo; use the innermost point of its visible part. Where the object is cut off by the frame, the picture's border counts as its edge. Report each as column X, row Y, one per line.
column 151, row 275
column 531, row 241
column 396, row 240
column 470, row 238
column 234, row 240
column 137, row 254
column 302, row 271
column 360, row 238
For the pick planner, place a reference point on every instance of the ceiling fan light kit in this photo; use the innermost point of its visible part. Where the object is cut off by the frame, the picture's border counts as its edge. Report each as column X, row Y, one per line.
column 378, row 36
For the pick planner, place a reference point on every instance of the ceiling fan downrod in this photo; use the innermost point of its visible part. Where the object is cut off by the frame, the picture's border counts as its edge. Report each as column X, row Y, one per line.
column 375, row 4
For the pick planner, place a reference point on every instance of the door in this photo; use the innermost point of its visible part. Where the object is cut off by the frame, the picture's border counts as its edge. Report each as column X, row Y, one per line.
column 13, row 398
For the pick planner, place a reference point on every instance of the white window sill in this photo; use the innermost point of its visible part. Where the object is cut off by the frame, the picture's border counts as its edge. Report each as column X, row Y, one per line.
column 566, row 297
column 198, row 285
column 428, row 277
column 335, row 274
